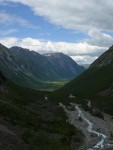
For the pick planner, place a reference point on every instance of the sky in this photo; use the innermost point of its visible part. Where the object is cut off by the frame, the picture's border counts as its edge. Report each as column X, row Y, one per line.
column 82, row 29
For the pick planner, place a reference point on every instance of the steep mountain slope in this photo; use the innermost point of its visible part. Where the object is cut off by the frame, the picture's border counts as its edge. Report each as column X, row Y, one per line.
column 99, row 76
column 64, row 65
column 104, row 60
column 29, row 122
column 35, row 63
column 11, row 66
column 55, row 67
column 30, row 69
column 96, row 83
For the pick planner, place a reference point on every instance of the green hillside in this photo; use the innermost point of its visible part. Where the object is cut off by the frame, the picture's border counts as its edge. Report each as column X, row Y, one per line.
column 91, row 82
column 31, row 122
column 95, row 84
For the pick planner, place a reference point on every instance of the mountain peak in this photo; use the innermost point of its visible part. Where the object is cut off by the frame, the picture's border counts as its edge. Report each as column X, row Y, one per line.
column 17, row 48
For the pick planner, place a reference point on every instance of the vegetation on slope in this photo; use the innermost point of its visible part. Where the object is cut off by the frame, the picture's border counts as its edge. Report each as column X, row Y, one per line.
column 95, row 84
column 31, row 69
column 36, row 122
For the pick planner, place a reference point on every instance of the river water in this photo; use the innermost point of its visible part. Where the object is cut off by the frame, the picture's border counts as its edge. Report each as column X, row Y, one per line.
column 102, row 138
column 101, row 143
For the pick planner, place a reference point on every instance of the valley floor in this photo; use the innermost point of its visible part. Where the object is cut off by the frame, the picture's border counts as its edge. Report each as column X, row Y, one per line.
column 104, row 126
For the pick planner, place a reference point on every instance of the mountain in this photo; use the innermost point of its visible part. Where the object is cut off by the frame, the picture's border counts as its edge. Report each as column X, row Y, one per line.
column 12, row 66
column 31, row 69
column 96, row 83
column 64, row 65
column 55, row 67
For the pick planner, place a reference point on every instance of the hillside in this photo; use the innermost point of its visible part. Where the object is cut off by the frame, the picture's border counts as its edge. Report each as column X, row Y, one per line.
column 30, row 69
column 96, row 83
column 64, row 65
column 29, row 122
column 49, row 67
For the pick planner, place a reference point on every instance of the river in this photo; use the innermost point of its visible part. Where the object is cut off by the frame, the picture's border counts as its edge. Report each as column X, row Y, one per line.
column 100, row 144
column 102, row 138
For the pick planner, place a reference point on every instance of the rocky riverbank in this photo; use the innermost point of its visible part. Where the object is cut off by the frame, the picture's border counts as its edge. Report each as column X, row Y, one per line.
column 99, row 125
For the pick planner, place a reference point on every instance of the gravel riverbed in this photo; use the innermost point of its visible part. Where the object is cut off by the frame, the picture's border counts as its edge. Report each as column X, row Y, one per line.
column 103, row 126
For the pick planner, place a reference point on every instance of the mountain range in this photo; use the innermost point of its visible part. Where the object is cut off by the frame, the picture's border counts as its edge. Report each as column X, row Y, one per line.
column 31, row 69
column 29, row 121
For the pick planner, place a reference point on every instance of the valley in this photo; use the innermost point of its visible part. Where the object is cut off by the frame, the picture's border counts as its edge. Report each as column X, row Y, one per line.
column 76, row 116
column 56, row 75
column 28, row 121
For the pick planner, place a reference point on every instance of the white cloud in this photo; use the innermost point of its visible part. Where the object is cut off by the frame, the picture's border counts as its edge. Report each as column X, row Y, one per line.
column 81, row 52
column 99, row 38
column 9, row 19
column 84, row 59
column 89, row 16
column 9, row 42
column 7, row 32
column 75, row 14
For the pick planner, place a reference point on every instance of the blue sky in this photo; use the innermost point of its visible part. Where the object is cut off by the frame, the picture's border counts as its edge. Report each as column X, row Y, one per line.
column 40, row 27
column 75, row 28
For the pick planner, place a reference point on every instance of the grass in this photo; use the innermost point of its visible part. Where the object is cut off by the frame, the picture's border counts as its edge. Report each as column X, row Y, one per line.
column 55, row 84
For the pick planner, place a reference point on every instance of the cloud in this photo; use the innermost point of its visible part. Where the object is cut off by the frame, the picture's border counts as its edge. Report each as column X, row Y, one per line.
column 84, row 59
column 81, row 52
column 9, row 19
column 8, row 41
column 99, row 38
column 7, row 32
column 75, row 14
column 1, row 1
column 92, row 17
